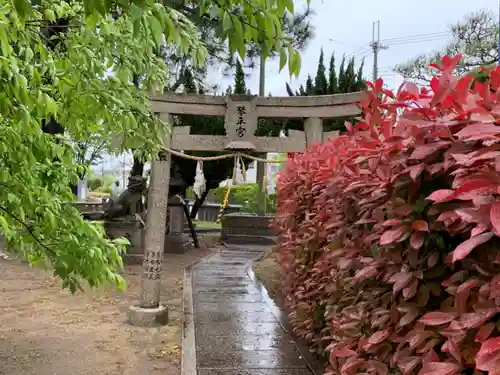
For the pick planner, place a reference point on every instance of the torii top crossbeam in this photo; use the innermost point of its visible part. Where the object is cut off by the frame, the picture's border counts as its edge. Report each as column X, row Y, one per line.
column 241, row 113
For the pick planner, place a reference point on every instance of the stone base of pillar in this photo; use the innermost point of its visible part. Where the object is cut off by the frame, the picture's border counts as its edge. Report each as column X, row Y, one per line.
column 148, row 317
column 176, row 243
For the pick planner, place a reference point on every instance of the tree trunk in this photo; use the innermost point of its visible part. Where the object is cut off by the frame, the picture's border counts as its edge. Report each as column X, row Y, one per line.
column 137, row 167
column 198, row 203
column 54, row 34
column 52, row 127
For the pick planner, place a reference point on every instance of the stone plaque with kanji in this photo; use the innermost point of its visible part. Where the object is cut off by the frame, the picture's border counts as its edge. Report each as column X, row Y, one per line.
column 241, row 119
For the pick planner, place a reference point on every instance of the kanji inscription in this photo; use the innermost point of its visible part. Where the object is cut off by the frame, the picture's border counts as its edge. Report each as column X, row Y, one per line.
column 241, row 122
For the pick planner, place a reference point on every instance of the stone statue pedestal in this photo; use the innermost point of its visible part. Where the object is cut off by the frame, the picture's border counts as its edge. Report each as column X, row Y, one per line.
column 132, row 229
column 176, row 237
column 246, row 228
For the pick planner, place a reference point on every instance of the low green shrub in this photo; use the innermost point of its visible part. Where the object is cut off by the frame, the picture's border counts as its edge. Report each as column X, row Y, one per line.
column 244, row 194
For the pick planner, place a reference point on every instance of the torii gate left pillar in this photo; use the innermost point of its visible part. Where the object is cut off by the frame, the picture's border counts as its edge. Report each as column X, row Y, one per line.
column 150, row 312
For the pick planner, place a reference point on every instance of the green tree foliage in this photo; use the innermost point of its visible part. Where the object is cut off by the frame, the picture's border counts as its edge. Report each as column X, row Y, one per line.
column 244, row 195
column 309, row 86
column 348, row 80
column 296, row 27
column 475, row 38
column 332, row 75
column 239, row 79
column 66, row 80
column 105, row 181
column 94, row 183
column 320, row 83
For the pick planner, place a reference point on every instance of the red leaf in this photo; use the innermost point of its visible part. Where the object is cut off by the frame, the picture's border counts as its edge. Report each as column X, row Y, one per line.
column 495, row 216
column 476, row 319
column 469, row 284
column 484, row 332
column 477, row 230
column 379, row 367
column 408, row 364
column 436, row 318
column 422, row 151
column 407, row 90
column 351, row 365
column 466, row 247
column 431, row 355
column 392, row 235
column 478, row 130
column 488, row 356
column 440, row 195
column 400, row 280
column 391, row 222
column 417, row 240
column 465, row 191
column 344, row 352
column 440, row 368
column 417, row 338
column 411, row 290
column 451, row 347
column 408, row 318
column 477, row 185
column 420, row 225
column 366, row 273
column 416, row 170
column 379, row 337
column 433, row 259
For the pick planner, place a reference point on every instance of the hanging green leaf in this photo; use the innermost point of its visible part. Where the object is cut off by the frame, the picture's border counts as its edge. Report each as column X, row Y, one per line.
column 156, row 30
column 22, row 7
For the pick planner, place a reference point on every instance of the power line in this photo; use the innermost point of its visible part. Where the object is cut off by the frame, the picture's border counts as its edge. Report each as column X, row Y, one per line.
column 417, row 36
column 362, row 50
column 412, row 41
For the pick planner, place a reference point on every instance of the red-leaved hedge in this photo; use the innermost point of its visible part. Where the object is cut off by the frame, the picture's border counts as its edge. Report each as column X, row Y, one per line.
column 388, row 235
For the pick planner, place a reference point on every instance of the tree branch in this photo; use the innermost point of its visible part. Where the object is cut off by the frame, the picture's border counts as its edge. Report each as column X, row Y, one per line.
column 29, row 229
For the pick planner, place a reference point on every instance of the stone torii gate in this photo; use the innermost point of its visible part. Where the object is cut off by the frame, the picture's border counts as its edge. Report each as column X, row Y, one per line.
column 241, row 113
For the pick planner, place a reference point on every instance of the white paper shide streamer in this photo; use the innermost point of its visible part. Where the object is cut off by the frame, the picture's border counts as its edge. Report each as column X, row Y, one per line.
column 199, row 186
column 239, row 173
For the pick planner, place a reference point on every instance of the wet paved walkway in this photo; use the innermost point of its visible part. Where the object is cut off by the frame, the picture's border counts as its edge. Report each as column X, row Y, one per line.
column 236, row 332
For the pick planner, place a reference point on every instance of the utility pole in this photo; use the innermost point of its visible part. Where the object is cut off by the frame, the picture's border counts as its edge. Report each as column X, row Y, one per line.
column 376, row 47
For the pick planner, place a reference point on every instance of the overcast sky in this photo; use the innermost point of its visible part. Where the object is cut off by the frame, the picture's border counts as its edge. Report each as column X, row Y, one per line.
column 408, row 27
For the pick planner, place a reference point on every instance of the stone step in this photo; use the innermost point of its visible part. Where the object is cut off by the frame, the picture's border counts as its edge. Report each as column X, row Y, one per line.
column 241, row 239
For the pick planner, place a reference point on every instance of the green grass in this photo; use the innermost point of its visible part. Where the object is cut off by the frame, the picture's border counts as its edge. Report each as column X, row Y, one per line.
column 206, row 224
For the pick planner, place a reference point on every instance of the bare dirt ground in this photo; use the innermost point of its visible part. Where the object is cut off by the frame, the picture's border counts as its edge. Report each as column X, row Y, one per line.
column 46, row 331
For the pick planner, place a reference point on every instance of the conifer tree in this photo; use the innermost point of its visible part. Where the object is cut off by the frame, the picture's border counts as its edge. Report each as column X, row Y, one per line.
column 332, row 76
column 239, row 79
column 188, row 82
column 360, row 81
column 320, row 84
column 347, row 80
column 309, row 86
column 341, row 83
